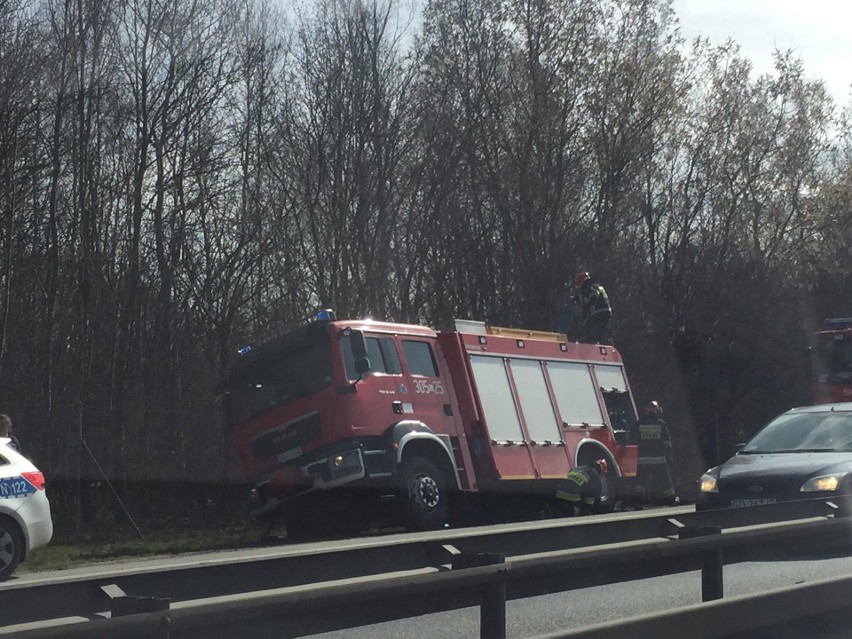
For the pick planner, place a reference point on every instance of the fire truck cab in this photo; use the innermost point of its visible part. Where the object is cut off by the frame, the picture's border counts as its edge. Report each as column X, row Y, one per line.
column 832, row 359
column 368, row 409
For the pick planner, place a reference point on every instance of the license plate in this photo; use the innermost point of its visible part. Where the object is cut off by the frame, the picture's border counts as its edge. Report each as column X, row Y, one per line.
column 15, row 487
column 286, row 456
column 744, row 503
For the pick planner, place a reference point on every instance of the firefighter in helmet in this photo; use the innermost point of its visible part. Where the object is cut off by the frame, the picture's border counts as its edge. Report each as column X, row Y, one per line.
column 594, row 310
column 653, row 481
column 580, row 493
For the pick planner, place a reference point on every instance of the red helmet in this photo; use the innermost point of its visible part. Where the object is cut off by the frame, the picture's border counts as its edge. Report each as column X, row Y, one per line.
column 603, row 467
column 581, row 278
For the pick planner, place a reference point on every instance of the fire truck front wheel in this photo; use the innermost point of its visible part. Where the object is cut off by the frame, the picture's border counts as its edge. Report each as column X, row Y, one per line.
column 424, row 494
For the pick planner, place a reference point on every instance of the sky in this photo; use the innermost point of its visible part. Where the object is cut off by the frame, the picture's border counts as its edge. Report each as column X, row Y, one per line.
column 818, row 31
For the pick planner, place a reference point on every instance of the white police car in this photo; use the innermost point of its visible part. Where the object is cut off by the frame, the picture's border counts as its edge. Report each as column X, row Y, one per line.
column 25, row 522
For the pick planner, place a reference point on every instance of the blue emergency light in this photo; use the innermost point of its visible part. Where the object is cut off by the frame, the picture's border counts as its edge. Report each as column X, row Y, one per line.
column 837, row 324
column 325, row 315
column 244, row 350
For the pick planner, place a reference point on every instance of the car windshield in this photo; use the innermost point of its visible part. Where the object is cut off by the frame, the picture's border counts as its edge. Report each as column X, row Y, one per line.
column 804, row 432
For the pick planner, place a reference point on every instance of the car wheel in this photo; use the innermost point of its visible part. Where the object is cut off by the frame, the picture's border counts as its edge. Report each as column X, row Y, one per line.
column 11, row 547
column 424, row 494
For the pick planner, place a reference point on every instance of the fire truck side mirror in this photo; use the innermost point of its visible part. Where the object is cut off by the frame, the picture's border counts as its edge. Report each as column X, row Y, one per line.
column 359, row 351
column 362, row 365
column 358, row 344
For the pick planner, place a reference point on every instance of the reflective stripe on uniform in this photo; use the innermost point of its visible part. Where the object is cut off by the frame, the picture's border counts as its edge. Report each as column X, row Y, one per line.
column 560, row 494
column 652, row 460
column 650, row 431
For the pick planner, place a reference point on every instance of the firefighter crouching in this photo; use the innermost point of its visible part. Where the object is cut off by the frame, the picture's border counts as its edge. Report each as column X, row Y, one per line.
column 581, row 491
column 653, row 481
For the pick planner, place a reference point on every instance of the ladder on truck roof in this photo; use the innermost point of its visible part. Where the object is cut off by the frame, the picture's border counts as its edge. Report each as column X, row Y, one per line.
column 481, row 328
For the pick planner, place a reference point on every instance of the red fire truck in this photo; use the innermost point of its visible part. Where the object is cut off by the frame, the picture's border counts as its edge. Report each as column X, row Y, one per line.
column 403, row 413
column 833, row 361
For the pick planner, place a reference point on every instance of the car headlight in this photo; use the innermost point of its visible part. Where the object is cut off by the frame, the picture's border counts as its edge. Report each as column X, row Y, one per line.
column 826, row 483
column 708, row 484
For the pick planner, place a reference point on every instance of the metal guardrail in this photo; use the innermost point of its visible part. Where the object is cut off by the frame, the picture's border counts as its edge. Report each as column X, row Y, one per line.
column 292, row 611
column 231, row 573
column 813, row 610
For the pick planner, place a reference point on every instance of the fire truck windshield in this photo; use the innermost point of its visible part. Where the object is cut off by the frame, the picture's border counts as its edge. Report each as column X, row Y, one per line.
column 833, row 360
column 281, row 374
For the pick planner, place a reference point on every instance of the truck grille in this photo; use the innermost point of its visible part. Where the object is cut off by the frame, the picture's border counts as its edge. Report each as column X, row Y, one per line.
column 286, row 437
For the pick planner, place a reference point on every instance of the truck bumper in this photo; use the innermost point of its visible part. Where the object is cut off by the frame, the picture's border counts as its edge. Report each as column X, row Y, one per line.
column 335, row 469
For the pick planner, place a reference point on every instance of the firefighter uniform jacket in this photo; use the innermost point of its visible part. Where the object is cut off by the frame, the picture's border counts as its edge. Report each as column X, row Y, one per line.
column 595, row 313
column 593, row 300
column 582, row 489
column 655, row 446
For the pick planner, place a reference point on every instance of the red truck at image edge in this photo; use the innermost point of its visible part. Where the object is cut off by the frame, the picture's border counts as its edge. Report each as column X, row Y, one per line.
column 434, row 421
column 832, row 361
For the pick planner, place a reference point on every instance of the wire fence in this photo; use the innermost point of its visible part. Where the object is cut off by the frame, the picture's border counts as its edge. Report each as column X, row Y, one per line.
column 150, row 468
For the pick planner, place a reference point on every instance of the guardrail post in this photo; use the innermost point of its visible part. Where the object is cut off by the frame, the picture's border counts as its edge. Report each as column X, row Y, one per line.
column 492, row 610
column 122, row 604
column 712, row 562
column 164, row 631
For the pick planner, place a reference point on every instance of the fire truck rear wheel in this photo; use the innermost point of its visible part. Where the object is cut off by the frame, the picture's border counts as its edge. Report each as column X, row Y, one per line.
column 424, row 494
column 607, row 502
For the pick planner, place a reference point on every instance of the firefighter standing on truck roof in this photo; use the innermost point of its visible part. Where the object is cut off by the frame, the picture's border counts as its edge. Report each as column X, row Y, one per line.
column 581, row 491
column 653, row 481
column 595, row 311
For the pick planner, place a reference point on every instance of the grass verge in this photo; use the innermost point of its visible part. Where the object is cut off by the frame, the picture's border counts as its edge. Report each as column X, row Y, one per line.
column 64, row 555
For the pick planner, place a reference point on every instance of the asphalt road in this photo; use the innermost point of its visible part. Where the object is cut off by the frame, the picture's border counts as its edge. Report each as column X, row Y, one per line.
column 541, row 615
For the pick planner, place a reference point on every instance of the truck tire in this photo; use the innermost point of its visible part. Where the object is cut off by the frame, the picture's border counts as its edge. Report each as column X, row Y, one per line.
column 424, row 495
column 11, row 547
column 608, row 498
column 607, row 502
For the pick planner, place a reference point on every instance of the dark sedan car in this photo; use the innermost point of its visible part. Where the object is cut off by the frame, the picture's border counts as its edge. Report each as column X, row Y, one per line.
column 801, row 454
